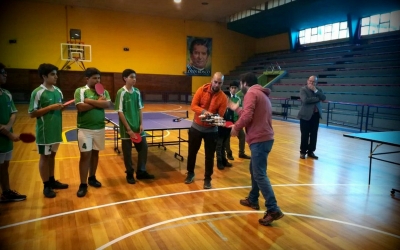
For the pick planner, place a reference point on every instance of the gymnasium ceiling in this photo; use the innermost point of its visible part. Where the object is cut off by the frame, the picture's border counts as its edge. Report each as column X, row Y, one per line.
column 214, row 11
column 294, row 16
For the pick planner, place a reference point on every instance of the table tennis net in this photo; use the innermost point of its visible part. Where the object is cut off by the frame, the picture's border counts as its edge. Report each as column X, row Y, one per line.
column 165, row 115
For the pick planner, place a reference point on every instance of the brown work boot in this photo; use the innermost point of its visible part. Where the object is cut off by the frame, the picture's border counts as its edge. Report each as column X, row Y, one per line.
column 270, row 217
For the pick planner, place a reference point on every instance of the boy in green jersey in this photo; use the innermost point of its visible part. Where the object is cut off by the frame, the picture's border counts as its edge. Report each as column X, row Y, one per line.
column 91, row 128
column 7, row 137
column 233, row 89
column 129, row 105
column 46, row 106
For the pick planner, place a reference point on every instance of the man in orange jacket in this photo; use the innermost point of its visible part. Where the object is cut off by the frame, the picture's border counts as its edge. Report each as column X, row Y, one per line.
column 208, row 100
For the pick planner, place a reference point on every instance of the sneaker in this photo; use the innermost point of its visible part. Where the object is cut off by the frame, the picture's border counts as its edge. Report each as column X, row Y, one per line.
column 269, row 217
column 92, row 181
column 230, row 157
column 130, row 179
column 228, row 164
column 189, row 178
column 12, row 195
column 220, row 166
column 143, row 175
column 302, row 156
column 82, row 190
column 244, row 156
column 49, row 192
column 207, row 184
column 312, row 155
column 58, row 185
column 246, row 202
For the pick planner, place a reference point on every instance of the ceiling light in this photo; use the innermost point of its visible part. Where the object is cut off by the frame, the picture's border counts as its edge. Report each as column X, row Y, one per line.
column 177, row 1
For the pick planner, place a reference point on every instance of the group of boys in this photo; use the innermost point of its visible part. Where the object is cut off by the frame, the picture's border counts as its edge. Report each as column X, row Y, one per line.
column 46, row 105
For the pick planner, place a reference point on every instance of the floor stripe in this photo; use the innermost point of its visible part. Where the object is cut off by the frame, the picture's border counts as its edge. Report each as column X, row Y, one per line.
column 62, row 158
column 215, row 229
column 160, row 196
column 190, row 223
column 236, row 212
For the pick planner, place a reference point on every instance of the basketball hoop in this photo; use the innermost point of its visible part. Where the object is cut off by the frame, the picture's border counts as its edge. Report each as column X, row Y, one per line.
column 75, row 51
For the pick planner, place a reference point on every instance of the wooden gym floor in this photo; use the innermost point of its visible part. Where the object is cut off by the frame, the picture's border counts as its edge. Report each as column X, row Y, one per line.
column 327, row 202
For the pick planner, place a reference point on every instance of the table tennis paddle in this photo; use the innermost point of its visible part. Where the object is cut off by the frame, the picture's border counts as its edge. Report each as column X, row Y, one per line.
column 69, row 102
column 228, row 124
column 99, row 89
column 27, row 137
column 136, row 139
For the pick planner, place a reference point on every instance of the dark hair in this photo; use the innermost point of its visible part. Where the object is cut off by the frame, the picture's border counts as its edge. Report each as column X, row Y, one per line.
column 45, row 69
column 2, row 66
column 234, row 84
column 249, row 78
column 199, row 41
column 127, row 72
column 89, row 72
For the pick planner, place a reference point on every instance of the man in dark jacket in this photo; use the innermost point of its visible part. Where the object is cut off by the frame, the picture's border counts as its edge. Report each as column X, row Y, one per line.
column 309, row 115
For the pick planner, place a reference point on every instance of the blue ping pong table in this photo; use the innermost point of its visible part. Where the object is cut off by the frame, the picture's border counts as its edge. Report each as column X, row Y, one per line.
column 156, row 122
column 391, row 138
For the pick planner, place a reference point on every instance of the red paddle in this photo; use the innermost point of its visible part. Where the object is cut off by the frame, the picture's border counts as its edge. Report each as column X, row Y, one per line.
column 99, row 89
column 69, row 102
column 228, row 124
column 27, row 137
column 138, row 138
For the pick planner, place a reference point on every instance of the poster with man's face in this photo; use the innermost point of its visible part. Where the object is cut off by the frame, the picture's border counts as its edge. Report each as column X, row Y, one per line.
column 198, row 56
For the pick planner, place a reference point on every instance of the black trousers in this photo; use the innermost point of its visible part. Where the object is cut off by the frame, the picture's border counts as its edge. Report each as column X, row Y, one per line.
column 141, row 148
column 221, row 157
column 242, row 141
column 309, row 133
column 210, row 143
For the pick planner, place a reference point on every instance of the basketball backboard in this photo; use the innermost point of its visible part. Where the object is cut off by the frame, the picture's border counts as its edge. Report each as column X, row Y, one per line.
column 76, row 52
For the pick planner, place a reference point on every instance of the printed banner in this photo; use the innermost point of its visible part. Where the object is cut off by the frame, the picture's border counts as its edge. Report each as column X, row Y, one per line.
column 198, row 56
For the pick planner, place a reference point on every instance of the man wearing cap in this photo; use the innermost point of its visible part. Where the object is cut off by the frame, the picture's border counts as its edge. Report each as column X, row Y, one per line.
column 233, row 88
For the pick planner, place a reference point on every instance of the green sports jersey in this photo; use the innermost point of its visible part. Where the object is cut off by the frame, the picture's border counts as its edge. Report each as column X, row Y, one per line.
column 236, row 99
column 48, row 126
column 94, row 118
column 129, row 103
column 7, row 108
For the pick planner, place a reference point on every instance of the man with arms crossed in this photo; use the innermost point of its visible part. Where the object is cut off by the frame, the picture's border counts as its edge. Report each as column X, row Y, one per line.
column 256, row 117
column 91, row 128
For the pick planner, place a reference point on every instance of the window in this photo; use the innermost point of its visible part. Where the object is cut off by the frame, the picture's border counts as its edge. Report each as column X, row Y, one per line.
column 380, row 23
column 324, row 33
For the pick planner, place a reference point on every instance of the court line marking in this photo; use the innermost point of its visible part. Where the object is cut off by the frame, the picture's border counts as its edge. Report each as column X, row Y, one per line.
column 190, row 223
column 160, row 196
column 216, row 230
column 62, row 158
column 237, row 212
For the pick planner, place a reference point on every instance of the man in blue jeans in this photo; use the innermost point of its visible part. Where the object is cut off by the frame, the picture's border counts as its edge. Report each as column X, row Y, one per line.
column 256, row 117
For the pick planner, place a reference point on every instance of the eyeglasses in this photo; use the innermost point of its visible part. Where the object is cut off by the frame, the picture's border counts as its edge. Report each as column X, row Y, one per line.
column 3, row 72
